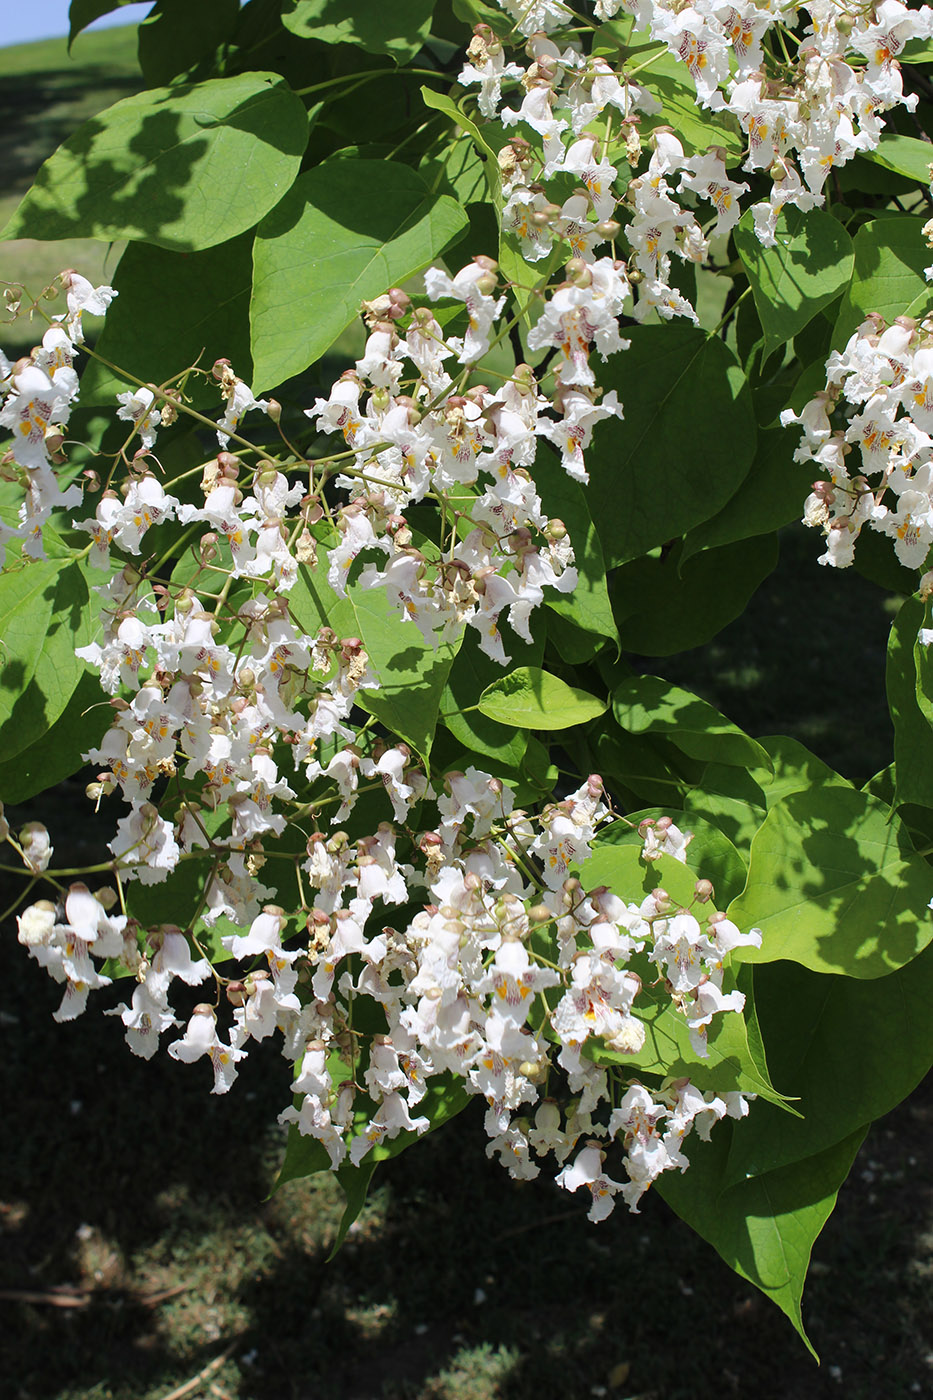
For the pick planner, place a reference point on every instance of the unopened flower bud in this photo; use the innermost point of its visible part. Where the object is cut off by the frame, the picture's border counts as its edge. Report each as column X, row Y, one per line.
column 106, row 897
column 662, row 900
column 703, row 891
column 208, row 547
column 37, row 846
column 578, row 272
column 535, row 1070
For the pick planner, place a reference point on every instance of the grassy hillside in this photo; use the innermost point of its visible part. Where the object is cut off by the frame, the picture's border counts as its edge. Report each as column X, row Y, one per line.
column 45, row 93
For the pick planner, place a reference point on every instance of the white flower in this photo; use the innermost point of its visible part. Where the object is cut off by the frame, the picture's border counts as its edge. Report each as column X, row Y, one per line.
column 201, row 1038
column 587, row 1170
column 136, row 407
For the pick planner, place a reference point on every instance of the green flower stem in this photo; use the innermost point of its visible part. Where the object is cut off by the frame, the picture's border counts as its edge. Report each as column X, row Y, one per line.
column 367, row 75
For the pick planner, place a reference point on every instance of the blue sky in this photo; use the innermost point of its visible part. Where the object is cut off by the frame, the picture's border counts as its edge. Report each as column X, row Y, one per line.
column 45, row 19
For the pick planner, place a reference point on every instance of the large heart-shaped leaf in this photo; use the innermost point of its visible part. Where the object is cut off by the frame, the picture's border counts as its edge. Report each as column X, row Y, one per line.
column 182, row 167
column 834, row 884
column 530, row 698
column 764, row 1228
column 848, row 1050
column 887, row 277
column 665, row 467
column 154, row 339
column 808, row 266
column 346, row 231
column 399, row 28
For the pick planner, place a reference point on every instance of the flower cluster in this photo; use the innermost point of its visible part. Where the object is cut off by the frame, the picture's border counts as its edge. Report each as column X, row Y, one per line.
column 413, row 431
column 234, row 728
column 878, row 399
column 806, row 86
column 512, row 979
column 39, row 394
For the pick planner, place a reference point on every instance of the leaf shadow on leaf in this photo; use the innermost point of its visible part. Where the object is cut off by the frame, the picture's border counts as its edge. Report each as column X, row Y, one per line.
column 103, row 203
column 397, row 29
column 374, row 220
column 95, row 187
column 34, row 711
column 652, row 705
column 842, row 883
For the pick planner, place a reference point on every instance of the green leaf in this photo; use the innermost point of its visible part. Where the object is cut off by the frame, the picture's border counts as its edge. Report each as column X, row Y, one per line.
column 345, row 232
column 849, row 1051
column 154, row 338
column 917, row 51
column 709, row 856
column 471, row 672
column 923, row 666
column 619, row 865
column 57, row 754
column 176, row 35
column 530, row 698
column 398, row 29
column 478, row 11
column 913, row 765
column 764, row 1228
column 771, row 495
column 355, row 1182
column 733, row 799
column 182, row 167
column 313, row 604
column 440, row 102
column 666, row 467
column 691, row 600
column 412, row 674
column 81, row 13
column 890, row 255
column 730, row 1064
column 652, row 769
column 796, row 769
column 587, row 606
column 650, row 705
column 834, row 884
column 462, row 167
column 44, row 615
column 906, row 155
column 807, row 268
column 697, row 127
